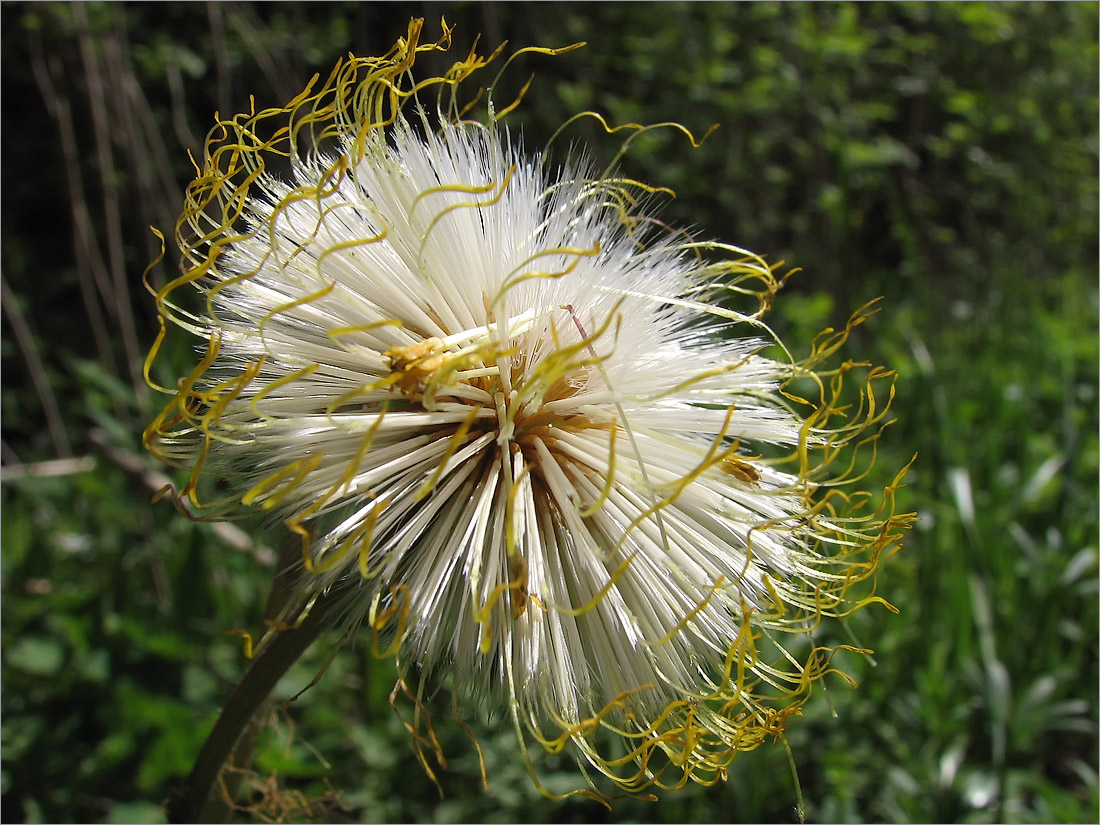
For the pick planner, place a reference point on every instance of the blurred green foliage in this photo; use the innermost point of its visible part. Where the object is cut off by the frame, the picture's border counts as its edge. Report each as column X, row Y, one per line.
column 941, row 155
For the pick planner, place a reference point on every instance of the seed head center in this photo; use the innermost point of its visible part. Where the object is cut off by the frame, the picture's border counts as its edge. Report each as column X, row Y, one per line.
column 437, row 373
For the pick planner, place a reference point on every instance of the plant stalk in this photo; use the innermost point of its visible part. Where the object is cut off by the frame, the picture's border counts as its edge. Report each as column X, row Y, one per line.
column 273, row 660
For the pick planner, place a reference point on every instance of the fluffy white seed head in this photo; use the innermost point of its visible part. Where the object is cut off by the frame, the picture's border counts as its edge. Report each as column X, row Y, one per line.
column 517, row 424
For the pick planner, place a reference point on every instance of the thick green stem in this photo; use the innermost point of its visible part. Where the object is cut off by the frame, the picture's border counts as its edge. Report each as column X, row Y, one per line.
column 273, row 660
